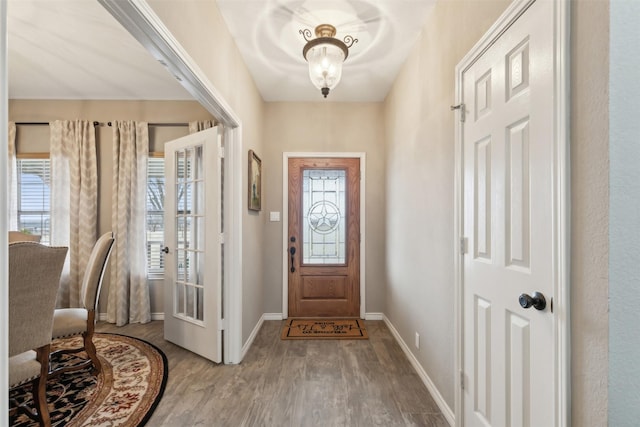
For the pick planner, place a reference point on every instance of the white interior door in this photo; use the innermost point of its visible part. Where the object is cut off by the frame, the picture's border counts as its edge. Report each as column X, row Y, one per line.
column 510, row 219
column 193, row 239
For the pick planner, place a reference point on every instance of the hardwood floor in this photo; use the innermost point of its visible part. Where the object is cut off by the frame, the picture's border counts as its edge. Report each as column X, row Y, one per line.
column 292, row 383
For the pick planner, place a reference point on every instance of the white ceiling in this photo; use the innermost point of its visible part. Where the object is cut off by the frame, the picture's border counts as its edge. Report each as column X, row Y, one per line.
column 267, row 34
column 74, row 49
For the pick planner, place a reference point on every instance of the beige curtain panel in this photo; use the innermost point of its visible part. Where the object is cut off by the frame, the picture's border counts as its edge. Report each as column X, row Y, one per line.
column 129, row 291
column 74, row 200
column 197, row 126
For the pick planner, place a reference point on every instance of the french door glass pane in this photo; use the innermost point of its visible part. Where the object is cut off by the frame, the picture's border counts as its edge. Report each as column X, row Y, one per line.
column 324, row 216
column 189, row 214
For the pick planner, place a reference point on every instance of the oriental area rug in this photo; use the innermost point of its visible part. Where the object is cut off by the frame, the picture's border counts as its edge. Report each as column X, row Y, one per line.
column 125, row 393
column 332, row 329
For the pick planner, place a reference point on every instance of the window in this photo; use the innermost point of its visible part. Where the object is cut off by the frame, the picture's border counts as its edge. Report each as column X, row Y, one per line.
column 34, row 189
column 34, row 212
column 155, row 217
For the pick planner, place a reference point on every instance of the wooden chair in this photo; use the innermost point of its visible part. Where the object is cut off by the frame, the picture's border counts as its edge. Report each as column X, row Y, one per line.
column 34, row 278
column 68, row 322
column 19, row 236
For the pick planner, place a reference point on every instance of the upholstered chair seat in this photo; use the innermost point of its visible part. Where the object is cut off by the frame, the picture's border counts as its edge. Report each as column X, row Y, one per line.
column 24, row 368
column 69, row 321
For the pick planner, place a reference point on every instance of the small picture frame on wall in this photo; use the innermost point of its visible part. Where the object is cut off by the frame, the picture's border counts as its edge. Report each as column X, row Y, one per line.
column 255, row 182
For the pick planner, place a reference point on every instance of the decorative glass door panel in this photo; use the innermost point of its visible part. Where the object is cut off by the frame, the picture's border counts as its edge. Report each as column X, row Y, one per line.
column 189, row 286
column 324, row 202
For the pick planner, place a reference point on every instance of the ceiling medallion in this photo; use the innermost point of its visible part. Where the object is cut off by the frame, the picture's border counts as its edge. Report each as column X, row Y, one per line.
column 325, row 55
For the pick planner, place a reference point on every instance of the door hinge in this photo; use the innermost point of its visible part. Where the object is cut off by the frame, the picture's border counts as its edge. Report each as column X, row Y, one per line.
column 461, row 380
column 221, row 238
column 463, row 245
column 222, row 325
column 221, row 152
column 462, row 111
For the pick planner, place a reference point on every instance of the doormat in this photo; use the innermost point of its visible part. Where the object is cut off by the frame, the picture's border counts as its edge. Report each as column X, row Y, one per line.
column 327, row 329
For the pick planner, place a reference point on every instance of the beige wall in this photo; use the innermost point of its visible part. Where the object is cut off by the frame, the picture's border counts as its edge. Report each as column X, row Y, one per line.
column 590, row 211
column 420, row 158
column 324, row 127
column 32, row 139
column 198, row 26
column 420, row 153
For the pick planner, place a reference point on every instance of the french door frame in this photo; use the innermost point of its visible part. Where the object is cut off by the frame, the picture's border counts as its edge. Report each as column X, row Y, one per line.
column 285, row 223
column 561, row 200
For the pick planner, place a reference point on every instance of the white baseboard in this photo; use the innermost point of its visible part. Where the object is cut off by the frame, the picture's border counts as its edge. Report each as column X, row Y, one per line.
column 279, row 316
column 446, row 410
column 252, row 337
column 374, row 316
column 272, row 316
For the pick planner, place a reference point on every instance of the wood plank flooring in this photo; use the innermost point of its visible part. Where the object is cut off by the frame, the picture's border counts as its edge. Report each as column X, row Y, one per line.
column 292, row 383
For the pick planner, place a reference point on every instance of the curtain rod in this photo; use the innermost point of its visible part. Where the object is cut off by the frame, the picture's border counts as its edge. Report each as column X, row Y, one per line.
column 44, row 123
column 160, row 124
column 102, row 124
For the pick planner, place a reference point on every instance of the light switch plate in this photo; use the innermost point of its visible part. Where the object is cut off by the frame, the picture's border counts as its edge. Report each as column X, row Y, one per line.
column 274, row 216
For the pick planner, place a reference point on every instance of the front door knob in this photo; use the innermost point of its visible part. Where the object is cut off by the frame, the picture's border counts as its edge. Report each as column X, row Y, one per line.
column 292, row 251
column 536, row 300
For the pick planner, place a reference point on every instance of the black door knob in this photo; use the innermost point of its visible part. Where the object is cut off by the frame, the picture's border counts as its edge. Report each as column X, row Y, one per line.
column 535, row 300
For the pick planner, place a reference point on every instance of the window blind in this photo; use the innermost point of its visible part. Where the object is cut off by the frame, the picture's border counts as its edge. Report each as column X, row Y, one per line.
column 155, row 217
column 34, row 191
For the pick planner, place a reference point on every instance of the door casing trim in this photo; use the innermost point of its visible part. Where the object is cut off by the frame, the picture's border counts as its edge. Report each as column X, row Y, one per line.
column 285, row 223
column 4, row 212
column 561, row 200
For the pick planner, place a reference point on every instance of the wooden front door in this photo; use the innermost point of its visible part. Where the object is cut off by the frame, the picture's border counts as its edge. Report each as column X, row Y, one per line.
column 324, row 237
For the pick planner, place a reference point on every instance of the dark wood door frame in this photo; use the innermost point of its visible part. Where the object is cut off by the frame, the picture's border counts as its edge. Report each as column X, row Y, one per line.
column 285, row 222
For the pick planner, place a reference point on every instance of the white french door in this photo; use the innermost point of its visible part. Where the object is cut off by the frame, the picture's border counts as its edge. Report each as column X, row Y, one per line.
column 512, row 222
column 193, row 240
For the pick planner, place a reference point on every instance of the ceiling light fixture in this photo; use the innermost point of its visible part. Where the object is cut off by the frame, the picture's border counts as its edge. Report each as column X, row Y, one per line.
column 325, row 55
